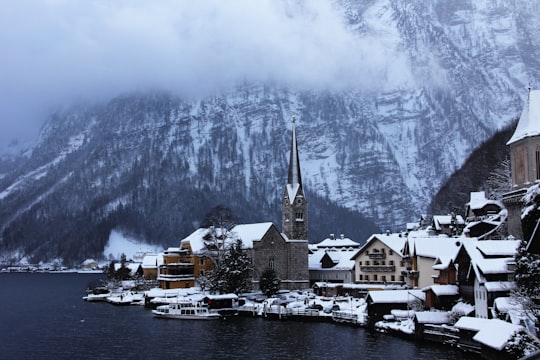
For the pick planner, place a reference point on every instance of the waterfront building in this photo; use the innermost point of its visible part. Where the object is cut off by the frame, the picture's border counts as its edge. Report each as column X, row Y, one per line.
column 485, row 272
column 150, row 266
column 331, row 260
column 380, row 260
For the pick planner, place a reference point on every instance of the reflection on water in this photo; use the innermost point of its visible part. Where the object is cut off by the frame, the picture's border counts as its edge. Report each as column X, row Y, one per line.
column 43, row 316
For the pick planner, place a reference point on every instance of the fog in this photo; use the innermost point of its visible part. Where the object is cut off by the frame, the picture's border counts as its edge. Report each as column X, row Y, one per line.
column 55, row 52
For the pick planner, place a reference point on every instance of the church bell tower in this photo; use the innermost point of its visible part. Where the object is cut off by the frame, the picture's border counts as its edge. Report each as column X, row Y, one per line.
column 294, row 205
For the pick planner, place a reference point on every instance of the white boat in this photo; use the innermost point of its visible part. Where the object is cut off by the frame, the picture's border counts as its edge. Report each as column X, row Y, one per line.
column 185, row 310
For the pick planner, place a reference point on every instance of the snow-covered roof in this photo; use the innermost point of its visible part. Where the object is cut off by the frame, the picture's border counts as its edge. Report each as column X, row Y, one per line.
column 463, row 308
column 494, row 266
column 432, row 317
column 393, row 241
column 497, row 286
column 396, row 296
column 434, row 246
column 481, row 265
column 439, row 220
column 497, row 333
column 471, row 323
column 341, row 257
column 196, row 240
column 149, row 261
column 249, row 233
column 498, row 247
column 443, row 262
column 246, row 232
column 342, row 241
column 529, row 122
column 505, row 304
column 443, row 290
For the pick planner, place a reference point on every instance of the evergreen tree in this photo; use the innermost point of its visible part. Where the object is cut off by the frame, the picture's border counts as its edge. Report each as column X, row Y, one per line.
column 269, row 283
column 233, row 273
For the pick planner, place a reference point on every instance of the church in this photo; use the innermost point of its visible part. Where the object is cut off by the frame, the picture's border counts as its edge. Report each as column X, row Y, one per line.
column 525, row 161
column 285, row 252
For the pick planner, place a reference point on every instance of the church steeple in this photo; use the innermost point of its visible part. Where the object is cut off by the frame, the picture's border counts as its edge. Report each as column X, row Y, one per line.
column 295, row 176
column 294, row 206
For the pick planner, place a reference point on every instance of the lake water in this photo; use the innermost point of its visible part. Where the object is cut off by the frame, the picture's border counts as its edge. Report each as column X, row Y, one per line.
column 44, row 316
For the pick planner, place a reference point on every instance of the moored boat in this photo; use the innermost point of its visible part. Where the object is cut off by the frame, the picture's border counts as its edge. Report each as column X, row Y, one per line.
column 185, row 310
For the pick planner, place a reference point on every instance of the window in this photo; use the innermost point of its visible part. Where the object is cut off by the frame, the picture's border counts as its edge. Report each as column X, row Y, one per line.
column 360, row 277
column 383, row 262
column 391, row 262
column 367, row 262
column 401, row 278
column 271, row 263
column 201, row 261
column 383, row 278
column 375, row 277
column 299, row 216
column 360, row 263
column 402, row 263
column 366, row 277
column 393, row 278
column 391, row 252
column 201, row 272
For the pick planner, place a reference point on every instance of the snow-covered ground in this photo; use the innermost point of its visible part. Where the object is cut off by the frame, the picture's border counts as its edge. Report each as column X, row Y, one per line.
column 119, row 244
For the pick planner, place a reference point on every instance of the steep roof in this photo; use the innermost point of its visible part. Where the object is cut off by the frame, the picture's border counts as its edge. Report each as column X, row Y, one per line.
column 393, row 241
column 294, row 179
column 529, row 122
column 249, row 233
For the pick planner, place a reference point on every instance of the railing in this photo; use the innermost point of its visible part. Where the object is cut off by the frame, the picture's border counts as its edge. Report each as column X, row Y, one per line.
column 412, row 274
column 378, row 268
column 377, row 255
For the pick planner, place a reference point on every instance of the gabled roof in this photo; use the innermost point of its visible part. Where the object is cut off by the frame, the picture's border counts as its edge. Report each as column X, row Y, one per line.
column 481, row 265
column 439, row 220
column 498, row 247
column 249, row 233
column 246, row 232
column 395, row 296
column 393, row 241
column 434, row 246
column 149, row 261
column 341, row 259
column 443, row 290
column 529, row 122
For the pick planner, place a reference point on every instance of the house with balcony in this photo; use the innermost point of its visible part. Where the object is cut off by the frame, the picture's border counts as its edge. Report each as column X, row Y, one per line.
column 420, row 253
column 483, row 216
column 174, row 270
column 486, row 272
column 380, row 260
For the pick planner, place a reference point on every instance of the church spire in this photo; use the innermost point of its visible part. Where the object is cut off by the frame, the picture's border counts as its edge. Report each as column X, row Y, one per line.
column 295, row 176
column 294, row 206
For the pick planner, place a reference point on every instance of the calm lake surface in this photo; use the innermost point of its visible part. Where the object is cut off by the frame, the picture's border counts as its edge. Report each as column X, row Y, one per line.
column 44, row 316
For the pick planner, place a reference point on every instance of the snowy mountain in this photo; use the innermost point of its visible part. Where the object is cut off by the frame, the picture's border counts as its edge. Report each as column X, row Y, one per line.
column 454, row 73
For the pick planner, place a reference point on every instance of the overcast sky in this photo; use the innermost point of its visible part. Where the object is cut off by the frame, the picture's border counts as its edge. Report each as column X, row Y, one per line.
column 57, row 51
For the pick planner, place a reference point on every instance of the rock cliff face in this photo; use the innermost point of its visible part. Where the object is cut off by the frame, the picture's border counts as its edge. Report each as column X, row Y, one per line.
column 153, row 164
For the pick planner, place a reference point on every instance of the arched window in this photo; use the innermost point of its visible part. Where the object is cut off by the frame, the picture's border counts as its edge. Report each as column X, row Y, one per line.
column 271, row 263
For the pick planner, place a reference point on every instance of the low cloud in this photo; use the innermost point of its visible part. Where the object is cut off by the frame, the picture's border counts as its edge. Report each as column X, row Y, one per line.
column 57, row 51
